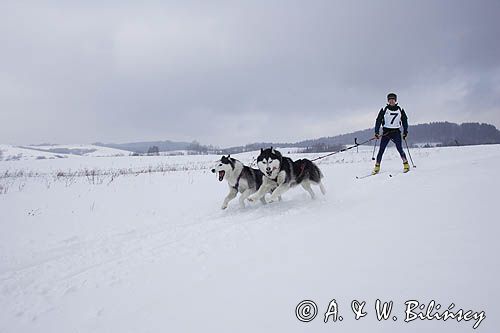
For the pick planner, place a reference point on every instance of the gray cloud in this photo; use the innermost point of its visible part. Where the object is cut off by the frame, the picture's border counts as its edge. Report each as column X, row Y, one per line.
column 241, row 71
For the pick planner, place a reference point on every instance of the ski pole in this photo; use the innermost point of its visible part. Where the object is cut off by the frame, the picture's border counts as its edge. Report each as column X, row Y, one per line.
column 407, row 148
column 374, row 147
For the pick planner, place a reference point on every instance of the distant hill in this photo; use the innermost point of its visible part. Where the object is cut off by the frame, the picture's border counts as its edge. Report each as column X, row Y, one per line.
column 443, row 133
column 437, row 133
column 143, row 147
column 453, row 134
column 53, row 151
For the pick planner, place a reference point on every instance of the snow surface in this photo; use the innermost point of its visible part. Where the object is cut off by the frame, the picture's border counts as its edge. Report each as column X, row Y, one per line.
column 153, row 252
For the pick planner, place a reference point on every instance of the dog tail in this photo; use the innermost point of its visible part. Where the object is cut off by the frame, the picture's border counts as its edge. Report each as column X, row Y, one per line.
column 308, row 170
column 316, row 174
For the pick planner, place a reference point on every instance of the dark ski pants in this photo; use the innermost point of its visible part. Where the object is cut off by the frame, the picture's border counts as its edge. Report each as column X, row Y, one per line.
column 395, row 136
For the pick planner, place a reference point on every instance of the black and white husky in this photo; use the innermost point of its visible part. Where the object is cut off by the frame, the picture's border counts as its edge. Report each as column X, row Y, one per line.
column 281, row 173
column 239, row 177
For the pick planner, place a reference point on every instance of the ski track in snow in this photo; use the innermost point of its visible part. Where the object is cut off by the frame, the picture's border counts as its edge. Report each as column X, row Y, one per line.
column 154, row 252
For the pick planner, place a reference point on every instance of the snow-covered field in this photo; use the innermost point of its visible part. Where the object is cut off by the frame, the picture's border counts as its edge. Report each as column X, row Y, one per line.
column 139, row 244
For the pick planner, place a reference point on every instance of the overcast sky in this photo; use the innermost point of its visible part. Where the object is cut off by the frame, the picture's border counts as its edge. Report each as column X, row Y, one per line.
column 235, row 72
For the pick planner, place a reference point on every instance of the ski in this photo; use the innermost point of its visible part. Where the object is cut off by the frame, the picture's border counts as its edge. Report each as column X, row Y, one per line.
column 365, row 176
column 392, row 174
column 369, row 175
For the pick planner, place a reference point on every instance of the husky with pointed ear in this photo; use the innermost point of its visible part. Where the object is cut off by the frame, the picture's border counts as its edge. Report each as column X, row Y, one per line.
column 281, row 173
column 239, row 177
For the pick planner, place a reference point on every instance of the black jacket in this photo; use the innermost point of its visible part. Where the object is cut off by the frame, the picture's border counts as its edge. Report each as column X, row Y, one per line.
column 381, row 114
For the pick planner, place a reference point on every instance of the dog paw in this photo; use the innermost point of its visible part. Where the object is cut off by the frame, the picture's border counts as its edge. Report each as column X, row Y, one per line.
column 223, row 207
column 272, row 199
column 251, row 198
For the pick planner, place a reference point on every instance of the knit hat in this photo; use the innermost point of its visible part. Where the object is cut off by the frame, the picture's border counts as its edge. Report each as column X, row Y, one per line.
column 392, row 96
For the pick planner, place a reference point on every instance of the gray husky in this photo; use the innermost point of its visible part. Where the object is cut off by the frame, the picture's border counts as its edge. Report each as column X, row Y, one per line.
column 239, row 177
column 281, row 173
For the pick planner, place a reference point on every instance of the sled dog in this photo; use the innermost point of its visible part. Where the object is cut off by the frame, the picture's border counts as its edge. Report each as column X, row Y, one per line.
column 281, row 173
column 239, row 177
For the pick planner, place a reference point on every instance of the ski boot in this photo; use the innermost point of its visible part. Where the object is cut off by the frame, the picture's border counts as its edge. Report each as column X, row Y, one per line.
column 376, row 169
column 406, row 167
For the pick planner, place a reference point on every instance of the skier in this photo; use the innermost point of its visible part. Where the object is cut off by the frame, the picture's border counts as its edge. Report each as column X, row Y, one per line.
column 391, row 117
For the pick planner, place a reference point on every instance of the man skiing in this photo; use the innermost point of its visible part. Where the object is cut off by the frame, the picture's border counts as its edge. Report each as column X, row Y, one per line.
column 391, row 117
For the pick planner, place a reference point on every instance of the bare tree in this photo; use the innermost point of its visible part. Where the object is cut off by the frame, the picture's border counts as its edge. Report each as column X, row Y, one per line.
column 153, row 150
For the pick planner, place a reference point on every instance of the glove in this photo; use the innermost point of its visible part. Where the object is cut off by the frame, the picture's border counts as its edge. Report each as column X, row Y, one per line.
column 405, row 134
column 377, row 136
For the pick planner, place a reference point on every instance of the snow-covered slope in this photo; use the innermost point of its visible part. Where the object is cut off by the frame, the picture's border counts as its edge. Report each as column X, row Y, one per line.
column 154, row 253
column 16, row 153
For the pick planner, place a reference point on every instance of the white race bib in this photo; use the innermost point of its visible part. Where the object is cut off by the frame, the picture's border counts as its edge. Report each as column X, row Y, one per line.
column 392, row 119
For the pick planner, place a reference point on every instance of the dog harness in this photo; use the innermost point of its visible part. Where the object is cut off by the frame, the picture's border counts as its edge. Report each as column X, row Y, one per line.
column 238, row 181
